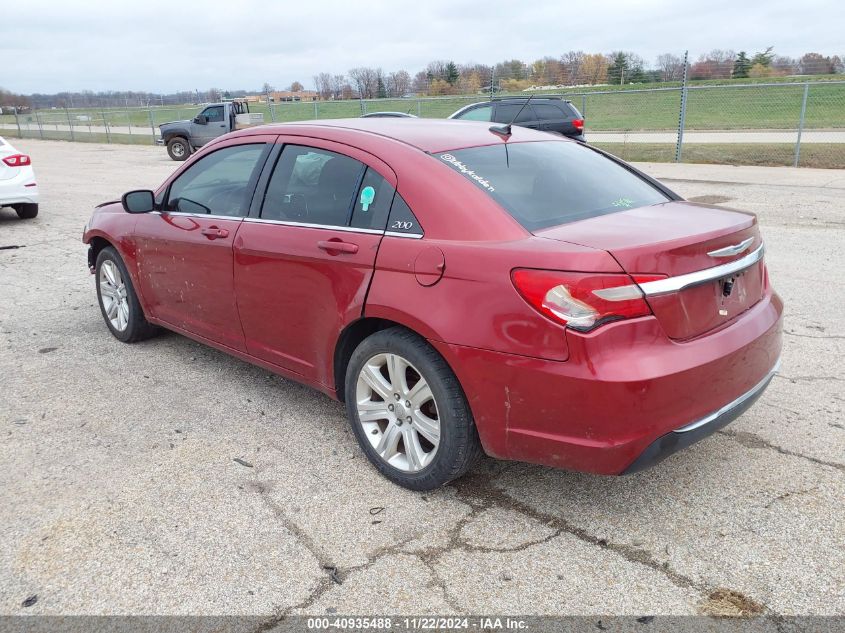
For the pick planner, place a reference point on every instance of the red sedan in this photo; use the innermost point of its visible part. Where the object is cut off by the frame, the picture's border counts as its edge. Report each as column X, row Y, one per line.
column 461, row 288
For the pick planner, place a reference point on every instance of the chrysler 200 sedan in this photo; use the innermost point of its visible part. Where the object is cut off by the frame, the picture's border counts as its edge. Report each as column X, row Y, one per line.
column 463, row 289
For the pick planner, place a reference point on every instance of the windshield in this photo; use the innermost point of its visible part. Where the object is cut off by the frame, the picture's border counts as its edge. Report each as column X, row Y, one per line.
column 544, row 184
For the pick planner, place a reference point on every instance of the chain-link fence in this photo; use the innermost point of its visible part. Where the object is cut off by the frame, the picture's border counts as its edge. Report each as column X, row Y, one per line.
column 788, row 123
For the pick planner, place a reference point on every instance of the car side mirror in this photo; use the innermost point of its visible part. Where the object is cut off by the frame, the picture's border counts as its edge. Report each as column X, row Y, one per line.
column 139, row 201
column 201, row 119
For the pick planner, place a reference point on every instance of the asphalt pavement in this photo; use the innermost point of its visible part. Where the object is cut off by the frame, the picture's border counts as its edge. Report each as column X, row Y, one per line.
column 120, row 492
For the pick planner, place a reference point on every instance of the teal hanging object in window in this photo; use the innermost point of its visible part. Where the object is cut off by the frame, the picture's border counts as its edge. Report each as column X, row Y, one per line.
column 368, row 194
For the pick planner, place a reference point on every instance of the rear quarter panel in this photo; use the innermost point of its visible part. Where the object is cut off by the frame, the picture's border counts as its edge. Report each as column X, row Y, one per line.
column 475, row 303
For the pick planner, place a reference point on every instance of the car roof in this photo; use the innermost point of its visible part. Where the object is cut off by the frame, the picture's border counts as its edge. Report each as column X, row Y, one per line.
column 428, row 135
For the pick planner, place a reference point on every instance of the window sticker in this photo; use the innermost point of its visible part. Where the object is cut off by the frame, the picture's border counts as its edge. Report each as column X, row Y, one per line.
column 466, row 171
column 624, row 203
column 368, row 194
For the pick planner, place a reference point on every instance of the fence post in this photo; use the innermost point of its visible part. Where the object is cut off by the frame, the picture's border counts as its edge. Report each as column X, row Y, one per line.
column 17, row 122
column 129, row 121
column 40, row 129
column 270, row 107
column 69, row 124
column 682, row 117
column 801, row 124
column 106, row 125
column 152, row 125
column 316, row 113
column 584, row 106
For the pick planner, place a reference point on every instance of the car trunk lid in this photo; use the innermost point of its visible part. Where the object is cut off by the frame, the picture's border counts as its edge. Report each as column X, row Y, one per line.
column 696, row 247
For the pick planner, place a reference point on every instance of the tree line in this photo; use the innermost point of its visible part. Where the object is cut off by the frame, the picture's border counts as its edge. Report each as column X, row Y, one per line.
column 572, row 69
column 445, row 77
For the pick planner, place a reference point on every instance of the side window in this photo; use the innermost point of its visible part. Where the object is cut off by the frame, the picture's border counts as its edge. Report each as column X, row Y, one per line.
column 505, row 113
column 214, row 114
column 217, row 184
column 477, row 114
column 402, row 219
column 312, row 185
column 548, row 112
column 373, row 202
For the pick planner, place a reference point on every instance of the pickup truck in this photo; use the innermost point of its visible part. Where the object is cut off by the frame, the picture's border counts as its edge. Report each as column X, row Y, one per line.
column 216, row 119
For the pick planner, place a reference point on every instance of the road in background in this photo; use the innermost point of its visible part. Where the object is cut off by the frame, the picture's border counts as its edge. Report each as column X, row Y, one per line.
column 120, row 493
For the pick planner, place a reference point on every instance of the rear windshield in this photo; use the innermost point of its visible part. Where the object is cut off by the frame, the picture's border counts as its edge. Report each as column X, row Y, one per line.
column 544, row 184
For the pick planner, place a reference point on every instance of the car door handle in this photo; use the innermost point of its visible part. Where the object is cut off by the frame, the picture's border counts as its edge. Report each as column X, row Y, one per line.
column 213, row 232
column 335, row 246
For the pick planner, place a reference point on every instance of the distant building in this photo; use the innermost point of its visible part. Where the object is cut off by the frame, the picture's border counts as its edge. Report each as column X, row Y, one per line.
column 278, row 96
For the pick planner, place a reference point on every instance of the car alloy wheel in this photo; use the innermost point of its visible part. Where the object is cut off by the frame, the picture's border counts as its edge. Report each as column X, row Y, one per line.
column 114, row 295
column 398, row 412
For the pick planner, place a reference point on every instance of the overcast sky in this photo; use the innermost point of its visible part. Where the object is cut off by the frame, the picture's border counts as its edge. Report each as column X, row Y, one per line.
column 163, row 46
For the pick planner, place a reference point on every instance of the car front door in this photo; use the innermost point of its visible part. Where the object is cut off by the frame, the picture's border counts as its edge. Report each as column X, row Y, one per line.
column 184, row 251
column 478, row 113
column 214, row 126
column 305, row 256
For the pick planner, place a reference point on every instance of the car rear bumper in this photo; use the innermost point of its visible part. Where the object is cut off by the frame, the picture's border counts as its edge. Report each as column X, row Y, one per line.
column 19, row 190
column 680, row 438
column 625, row 395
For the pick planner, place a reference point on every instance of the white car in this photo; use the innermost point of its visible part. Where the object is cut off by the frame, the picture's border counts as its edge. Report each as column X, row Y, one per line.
column 17, row 181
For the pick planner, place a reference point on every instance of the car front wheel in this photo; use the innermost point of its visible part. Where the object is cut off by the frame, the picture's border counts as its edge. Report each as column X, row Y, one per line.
column 119, row 304
column 178, row 148
column 408, row 411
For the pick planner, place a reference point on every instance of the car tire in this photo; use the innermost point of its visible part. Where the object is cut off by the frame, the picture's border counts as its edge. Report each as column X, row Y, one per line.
column 178, row 148
column 26, row 211
column 435, row 397
column 118, row 301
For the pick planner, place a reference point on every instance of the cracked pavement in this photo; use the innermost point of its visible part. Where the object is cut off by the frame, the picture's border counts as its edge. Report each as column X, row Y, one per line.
column 120, row 493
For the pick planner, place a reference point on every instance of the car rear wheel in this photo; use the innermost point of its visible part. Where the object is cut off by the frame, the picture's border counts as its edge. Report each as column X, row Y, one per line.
column 178, row 148
column 26, row 211
column 408, row 411
column 119, row 304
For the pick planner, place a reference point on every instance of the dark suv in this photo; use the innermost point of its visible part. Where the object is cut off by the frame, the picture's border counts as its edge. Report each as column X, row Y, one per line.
column 550, row 114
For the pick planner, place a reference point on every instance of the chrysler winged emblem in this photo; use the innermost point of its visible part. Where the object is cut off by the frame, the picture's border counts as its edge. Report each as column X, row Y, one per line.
column 734, row 249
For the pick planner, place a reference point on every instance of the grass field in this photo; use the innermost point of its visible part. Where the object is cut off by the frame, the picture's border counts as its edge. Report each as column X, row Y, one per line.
column 729, row 107
column 821, row 155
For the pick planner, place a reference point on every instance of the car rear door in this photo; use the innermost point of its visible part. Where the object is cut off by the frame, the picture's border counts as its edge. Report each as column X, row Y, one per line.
column 305, row 256
column 525, row 117
column 557, row 117
column 184, row 251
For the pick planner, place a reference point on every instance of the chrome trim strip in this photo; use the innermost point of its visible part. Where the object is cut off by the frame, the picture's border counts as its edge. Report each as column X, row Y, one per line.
column 731, row 405
column 674, row 284
column 730, row 251
column 413, row 236
column 307, row 225
column 183, row 214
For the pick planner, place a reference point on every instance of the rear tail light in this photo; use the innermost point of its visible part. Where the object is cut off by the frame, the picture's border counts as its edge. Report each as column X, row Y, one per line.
column 579, row 124
column 17, row 160
column 582, row 301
